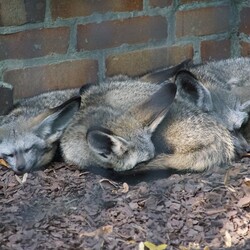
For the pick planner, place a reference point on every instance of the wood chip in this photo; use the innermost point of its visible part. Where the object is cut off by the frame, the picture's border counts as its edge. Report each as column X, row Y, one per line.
column 215, row 211
column 25, row 176
column 246, row 155
column 23, row 179
column 226, row 177
column 18, row 179
column 228, row 239
column 141, row 246
column 244, row 201
column 125, row 188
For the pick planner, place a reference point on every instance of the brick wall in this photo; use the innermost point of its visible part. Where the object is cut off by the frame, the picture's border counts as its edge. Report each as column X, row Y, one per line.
column 52, row 44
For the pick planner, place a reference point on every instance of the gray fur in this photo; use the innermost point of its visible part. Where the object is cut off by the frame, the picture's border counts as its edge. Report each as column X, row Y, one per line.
column 31, row 107
column 220, row 78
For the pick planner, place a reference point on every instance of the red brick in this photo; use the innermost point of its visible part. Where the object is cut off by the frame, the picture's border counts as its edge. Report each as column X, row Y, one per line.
column 72, row 8
column 245, row 49
column 160, row 3
column 12, row 13
column 202, row 21
column 215, row 50
column 35, row 10
column 34, row 43
column 114, row 33
column 245, row 20
column 192, row 1
column 17, row 12
column 143, row 61
column 6, row 100
column 34, row 80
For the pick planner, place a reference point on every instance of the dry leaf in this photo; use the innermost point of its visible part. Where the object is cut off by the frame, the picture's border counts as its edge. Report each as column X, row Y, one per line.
column 98, row 232
column 125, row 188
column 152, row 246
column 228, row 239
column 247, row 181
column 112, row 183
column 4, row 163
column 244, row 201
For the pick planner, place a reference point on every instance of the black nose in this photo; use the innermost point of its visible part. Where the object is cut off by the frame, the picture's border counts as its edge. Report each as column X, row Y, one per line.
column 20, row 162
column 21, row 168
column 247, row 148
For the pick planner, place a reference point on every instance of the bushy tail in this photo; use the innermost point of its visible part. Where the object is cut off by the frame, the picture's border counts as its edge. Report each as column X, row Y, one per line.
column 216, row 154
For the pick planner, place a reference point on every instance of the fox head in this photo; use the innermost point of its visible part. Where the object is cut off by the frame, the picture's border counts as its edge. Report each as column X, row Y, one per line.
column 222, row 104
column 29, row 144
column 219, row 102
column 126, row 140
column 215, row 100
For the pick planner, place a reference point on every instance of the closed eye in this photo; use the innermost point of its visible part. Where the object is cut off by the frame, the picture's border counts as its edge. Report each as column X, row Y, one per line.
column 8, row 155
column 103, row 155
column 26, row 150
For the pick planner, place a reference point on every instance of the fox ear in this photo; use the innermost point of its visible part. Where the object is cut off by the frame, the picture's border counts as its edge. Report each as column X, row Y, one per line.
column 152, row 111
column 51, row 124
column 160, row 76
column 104, row 143
column 191, row 89
column 85, row 87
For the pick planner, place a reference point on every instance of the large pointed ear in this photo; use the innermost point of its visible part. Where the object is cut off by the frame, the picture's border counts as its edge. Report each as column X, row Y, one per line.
column 189, row 88
column 51, row 124
column 104, row 142
column 162, row 75
column 85, row 87
column 151, row 112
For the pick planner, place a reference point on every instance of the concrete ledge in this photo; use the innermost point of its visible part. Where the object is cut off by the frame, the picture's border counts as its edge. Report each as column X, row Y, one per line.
column 6, row 97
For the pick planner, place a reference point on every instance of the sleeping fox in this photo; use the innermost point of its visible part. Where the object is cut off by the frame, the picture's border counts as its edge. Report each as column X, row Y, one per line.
column 144, row 123
column 30, row 133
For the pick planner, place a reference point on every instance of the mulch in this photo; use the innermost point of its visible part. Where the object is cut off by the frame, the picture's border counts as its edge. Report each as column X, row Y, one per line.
column 64, row 208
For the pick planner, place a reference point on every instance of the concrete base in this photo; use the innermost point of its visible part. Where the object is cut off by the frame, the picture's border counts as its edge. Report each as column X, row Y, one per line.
column 6, row 97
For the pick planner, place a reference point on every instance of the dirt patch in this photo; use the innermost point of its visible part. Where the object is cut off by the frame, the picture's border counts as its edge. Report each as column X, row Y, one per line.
column 64, row 208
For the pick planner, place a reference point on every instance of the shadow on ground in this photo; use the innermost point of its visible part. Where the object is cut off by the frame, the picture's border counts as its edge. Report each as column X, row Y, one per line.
column 64, row 208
